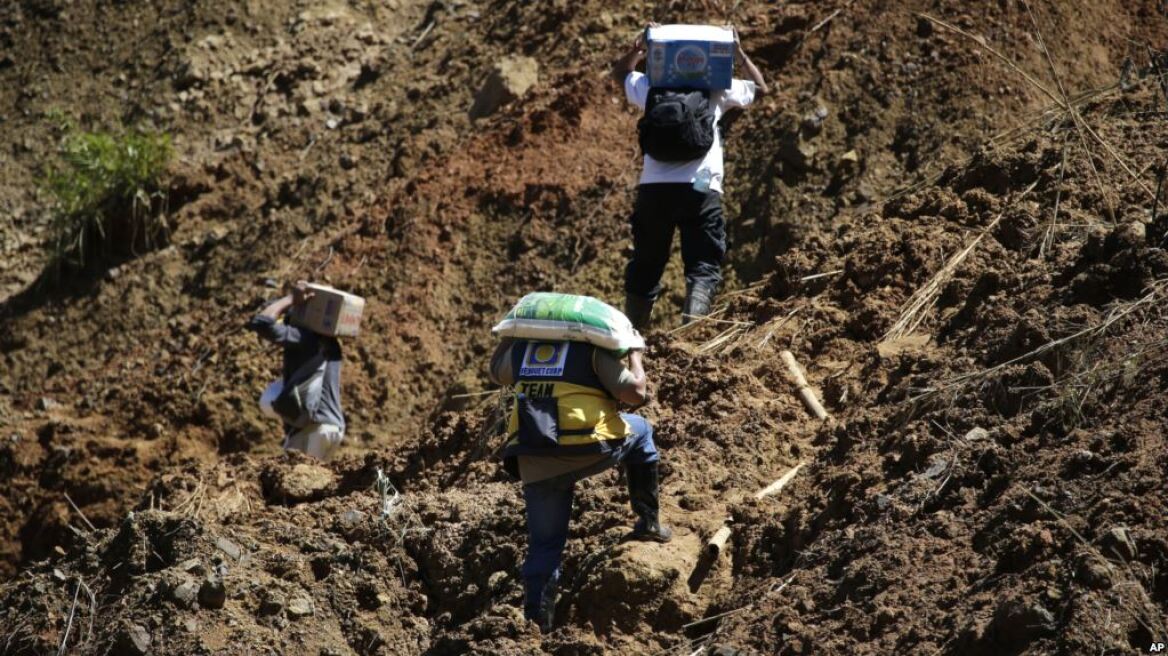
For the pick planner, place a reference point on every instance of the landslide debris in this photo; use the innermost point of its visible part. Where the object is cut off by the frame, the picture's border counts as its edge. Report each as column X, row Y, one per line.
column 990, row 483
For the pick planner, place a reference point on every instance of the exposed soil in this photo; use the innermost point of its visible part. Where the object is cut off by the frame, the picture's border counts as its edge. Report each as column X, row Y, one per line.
column 991, row 479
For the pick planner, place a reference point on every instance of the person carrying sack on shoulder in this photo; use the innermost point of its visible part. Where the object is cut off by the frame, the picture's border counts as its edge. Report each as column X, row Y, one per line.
column 681, row 183
column 565, row 425
column 307, row 398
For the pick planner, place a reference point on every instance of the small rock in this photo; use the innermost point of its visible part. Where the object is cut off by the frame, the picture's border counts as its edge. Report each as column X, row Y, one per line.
column 351, row 519
column 228, row 547
column 495, row 581
column 1018, row 622
column 59, row 576
column 135, row 639
column 508, row 80
column 192, row 565
column 1117, row 543
column 937, row 467
column 1095, row 573
column 976, row 434
column 812, row 123
column 299, row 607
column 46, row 404
column 212, row 594
column 185, row 594
column 273, row 603
column 1129, row 235
column 305, row 482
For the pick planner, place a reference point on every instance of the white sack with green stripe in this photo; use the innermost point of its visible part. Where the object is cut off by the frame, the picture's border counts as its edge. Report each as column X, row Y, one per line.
column 548, row 316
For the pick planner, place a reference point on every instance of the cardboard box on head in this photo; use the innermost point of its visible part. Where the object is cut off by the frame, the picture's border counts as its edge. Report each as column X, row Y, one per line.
column 697, row 56
column 329, row 312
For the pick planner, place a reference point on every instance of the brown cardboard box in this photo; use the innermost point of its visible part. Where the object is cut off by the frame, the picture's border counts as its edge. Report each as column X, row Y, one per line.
column 330, row 312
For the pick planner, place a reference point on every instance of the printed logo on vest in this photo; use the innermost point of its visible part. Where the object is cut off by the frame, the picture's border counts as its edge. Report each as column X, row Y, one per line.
column 544, row 360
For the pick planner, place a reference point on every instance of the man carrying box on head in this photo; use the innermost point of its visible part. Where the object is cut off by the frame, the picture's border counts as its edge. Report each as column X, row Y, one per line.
column 686, row 91
column 307, row 398
column 565, row 426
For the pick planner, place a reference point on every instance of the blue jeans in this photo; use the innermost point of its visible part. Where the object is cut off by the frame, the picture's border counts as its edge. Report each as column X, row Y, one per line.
column 549, row 506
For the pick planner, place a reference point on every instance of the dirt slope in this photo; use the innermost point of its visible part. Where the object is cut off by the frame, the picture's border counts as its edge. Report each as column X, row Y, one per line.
column 970, row 495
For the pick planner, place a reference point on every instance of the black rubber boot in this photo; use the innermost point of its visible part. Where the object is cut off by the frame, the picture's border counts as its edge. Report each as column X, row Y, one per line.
column 638, row 309
column 698, row 298
column 643, row 498
column 540, row 601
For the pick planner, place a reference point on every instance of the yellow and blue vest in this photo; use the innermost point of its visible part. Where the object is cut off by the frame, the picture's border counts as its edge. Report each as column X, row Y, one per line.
column 560, row 406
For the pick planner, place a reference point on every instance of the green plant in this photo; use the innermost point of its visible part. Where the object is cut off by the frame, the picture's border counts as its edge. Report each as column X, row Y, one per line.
column 108, row 197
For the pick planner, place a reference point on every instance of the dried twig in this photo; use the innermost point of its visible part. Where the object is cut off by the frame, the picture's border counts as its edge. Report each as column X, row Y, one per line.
column 1061, row 102
column 699, row 320
column 1080, row 124
column 821, row 275
column 778, row 325
column 1155, row 292
column 69, row 622
column 926, row 297
column 773, row 590
column 1048, row 238
column 79, row 513
column 423, row 34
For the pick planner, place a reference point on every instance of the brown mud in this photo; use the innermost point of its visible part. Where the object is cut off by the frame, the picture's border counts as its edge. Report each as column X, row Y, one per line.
column 991, row 480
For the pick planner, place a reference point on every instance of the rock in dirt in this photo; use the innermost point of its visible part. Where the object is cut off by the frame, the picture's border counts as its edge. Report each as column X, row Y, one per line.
column 509, row 79
column 1125, row 236
column 299, row 607
column 976, row 435
column 228, row 547
column 134, row 639
column 1095, row 573
column 304, row 482
column 1019, row 621
column 185, row 594
column 273, row 603
column 1117, row 543
column 46, row 404
column 212, row 594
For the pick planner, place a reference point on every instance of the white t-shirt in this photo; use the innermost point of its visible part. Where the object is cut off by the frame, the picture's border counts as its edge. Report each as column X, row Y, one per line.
column 740, row 94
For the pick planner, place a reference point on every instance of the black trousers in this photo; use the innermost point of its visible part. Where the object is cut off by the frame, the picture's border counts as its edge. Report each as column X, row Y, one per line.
column 659, row 210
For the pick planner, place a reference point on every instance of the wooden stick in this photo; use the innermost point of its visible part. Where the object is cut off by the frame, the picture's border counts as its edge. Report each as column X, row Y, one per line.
column 718, row 542
column 805, row 391
column 777, row 486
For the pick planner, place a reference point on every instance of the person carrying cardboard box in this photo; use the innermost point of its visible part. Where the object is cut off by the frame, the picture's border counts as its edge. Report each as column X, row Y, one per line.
column 307, row 397
column 565, row 426
column 682, row 176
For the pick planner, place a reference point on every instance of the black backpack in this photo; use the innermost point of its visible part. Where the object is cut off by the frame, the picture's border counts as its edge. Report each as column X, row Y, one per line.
column 678, row 125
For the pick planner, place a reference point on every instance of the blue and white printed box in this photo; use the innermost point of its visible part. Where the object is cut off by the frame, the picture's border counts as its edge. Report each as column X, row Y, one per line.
column 698, row 56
